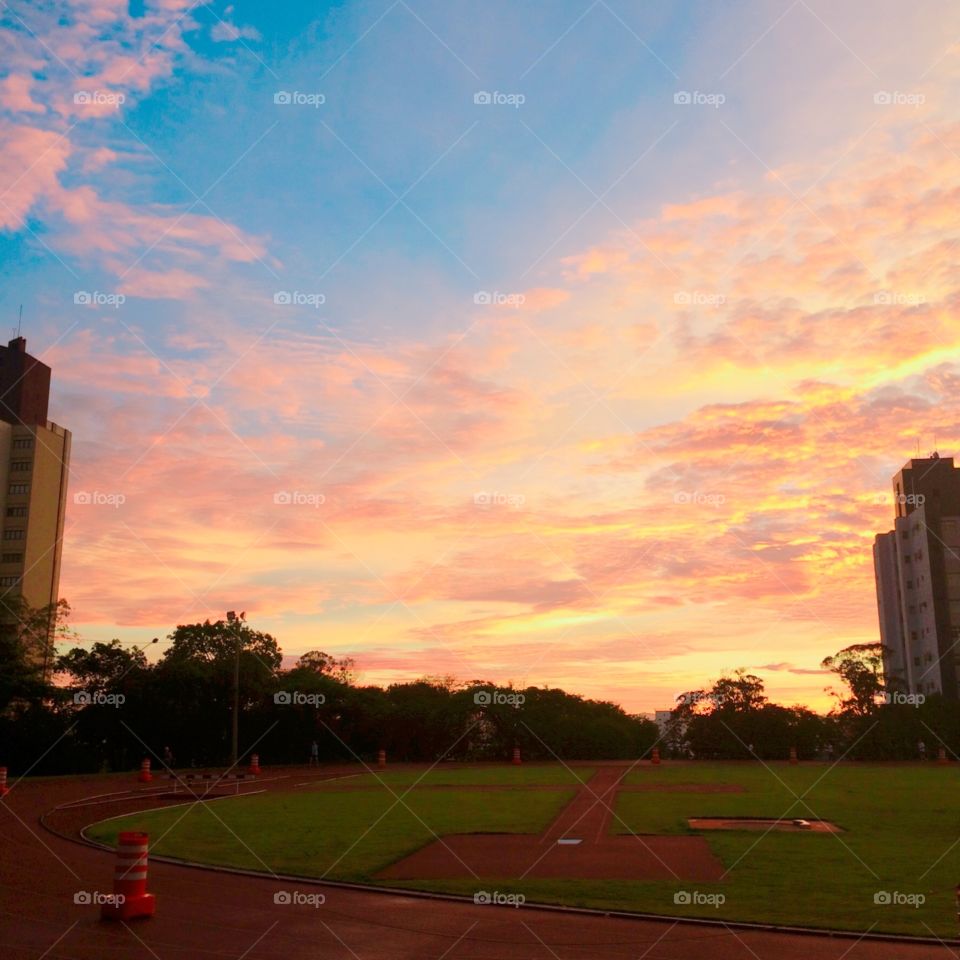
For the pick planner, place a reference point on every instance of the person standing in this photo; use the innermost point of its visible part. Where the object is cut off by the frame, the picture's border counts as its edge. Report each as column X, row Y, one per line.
column 314, row 754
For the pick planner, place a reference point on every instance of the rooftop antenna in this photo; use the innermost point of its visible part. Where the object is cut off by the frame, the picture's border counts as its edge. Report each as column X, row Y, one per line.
column 20, row 320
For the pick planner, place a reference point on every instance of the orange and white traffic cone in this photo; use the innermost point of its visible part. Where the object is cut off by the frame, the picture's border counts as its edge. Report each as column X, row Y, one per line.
column 254, row 767
column 655, row 755
column 130, row 898
column 4, row 789
column 145, row 775
column 381, row 758
column 793, row 755
column 516, row 757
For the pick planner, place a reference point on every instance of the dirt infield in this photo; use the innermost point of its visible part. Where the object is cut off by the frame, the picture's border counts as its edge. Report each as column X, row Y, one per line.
column 575, row 845
column 206, row 915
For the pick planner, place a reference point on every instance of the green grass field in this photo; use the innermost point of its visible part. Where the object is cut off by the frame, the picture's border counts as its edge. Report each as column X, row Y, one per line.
column 901, row 836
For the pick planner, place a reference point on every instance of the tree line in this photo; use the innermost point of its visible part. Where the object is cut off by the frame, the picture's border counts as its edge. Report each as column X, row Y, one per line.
column 106, row 706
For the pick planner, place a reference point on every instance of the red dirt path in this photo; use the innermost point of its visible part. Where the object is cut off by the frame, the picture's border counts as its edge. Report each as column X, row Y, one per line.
column 203, row 915
column 597, row 856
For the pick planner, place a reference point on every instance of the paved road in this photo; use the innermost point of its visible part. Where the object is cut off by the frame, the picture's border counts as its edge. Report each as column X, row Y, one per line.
column 202, row 914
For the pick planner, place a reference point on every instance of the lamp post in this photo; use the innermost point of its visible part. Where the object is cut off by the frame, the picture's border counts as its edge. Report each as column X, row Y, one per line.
column 236, row 623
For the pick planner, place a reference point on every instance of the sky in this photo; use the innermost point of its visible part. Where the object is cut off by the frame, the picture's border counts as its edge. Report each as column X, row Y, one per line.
column 569, row 344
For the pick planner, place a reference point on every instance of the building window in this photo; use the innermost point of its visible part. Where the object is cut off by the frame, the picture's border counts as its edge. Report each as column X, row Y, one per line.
column 11, row 558
column 16, row 511
column 23, row 443
column 20, row 466
column 19, row 488
column 13, row 534
column 9, row 581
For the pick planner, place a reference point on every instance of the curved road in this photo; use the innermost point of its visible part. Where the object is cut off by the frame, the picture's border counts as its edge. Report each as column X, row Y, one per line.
column 204, row 915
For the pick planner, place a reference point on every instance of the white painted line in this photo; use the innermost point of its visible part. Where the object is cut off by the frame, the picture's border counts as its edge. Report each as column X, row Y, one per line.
column 314, row 783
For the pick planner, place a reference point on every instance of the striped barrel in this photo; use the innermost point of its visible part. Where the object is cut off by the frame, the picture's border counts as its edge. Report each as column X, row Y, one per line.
column 145, row 775
column 4, row 789
column 130, row 897
column 655, row 755
column 793, row 754
column 516, row 755
column 381, row 758
column 254, row 763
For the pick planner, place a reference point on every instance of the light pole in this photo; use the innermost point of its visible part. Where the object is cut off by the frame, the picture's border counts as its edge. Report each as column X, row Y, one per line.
column 236, row 623
column 234, row 723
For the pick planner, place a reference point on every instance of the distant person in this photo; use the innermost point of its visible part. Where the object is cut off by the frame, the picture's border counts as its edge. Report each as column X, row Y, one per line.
column 922, row 749
column 169, row 760
column 829, row 752
column 314, row 754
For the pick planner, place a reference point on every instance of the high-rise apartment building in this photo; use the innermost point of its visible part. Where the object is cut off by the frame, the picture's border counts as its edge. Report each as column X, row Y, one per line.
column 34, row 463
column 917, row 566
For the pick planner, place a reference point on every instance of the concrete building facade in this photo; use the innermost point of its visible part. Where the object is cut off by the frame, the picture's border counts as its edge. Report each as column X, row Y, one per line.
column 917, row 568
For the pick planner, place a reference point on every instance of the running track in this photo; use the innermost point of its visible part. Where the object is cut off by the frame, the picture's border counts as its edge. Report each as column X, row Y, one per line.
column 204, row 915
